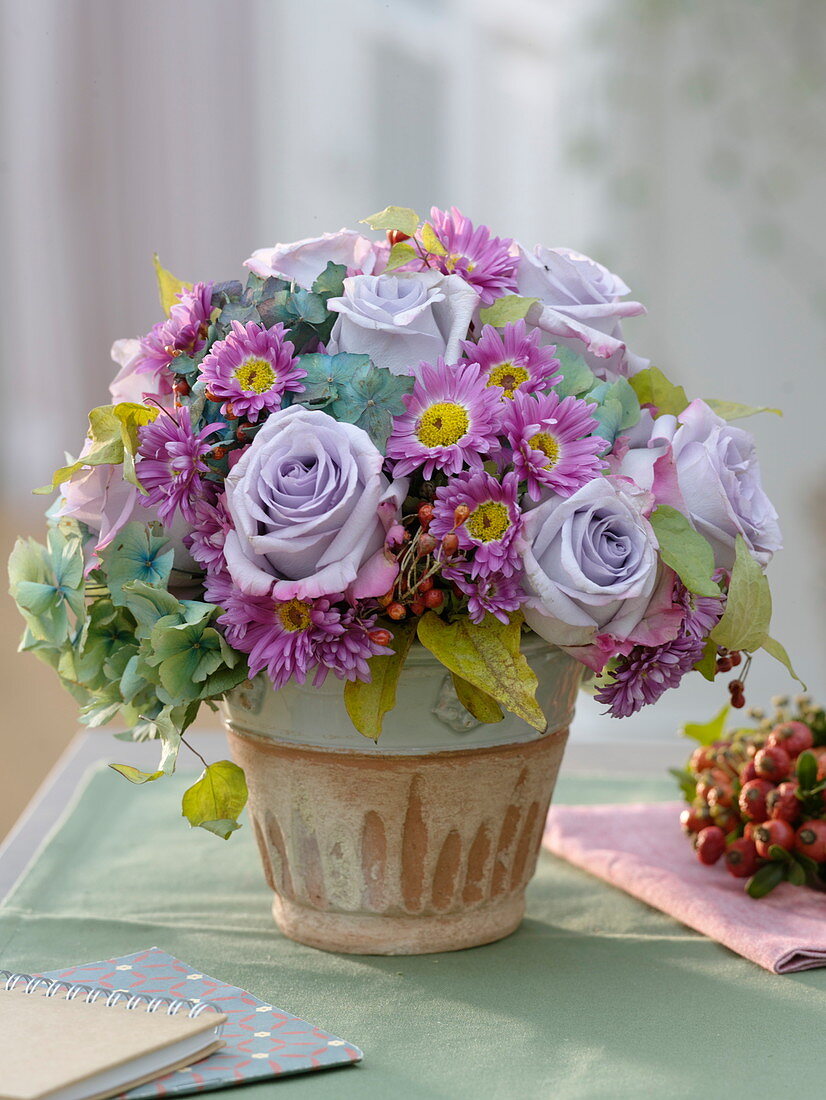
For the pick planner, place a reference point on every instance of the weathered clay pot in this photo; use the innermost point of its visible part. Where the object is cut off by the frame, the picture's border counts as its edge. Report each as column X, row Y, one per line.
column 424, row 842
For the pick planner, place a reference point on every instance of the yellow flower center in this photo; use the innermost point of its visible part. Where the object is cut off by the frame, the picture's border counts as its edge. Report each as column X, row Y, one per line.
column 545, row 442
column 442, row 424
column 294, row 615
column 254, row 375
column 488, row 521
column 453, row 259
column 508, row 376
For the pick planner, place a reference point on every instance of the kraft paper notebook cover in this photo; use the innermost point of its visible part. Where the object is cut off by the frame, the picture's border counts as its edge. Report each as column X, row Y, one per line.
column 64, row 1041
column 260, row 1041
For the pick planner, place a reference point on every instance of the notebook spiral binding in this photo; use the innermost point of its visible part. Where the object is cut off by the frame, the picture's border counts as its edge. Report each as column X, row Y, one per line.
column 111, row 997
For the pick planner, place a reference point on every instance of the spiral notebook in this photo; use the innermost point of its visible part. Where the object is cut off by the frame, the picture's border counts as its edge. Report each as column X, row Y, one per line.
column 260, row 1041
column 70, row 1041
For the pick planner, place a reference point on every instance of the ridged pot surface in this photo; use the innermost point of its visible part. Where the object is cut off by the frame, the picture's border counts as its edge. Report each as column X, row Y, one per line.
column 422, row 843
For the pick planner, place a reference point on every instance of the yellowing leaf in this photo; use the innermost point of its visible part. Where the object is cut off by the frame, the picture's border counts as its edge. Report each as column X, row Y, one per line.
column 169, row 287
column 217, row 798
column 135, row 775
column 431, row 242
column 731, row 410
column 745, row 622
column 394, row 217
column 400, row 254
column 506, row 310
column 488, row 656
column 707, row 732
column 367, row 703
column 653, row 388
column 776, row 650
column 477, row 702
column 685, row 551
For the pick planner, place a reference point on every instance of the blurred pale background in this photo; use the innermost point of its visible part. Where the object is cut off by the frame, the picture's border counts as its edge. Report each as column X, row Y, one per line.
column 681, row 143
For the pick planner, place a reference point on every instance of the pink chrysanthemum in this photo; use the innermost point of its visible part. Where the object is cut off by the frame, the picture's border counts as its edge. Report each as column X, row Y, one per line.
column 210, row 523
column 494, row 594
column 551, row 442
column 346, row 656
column 492, row 524
column 170, row 462
column 451, row 419
column 514, row 359
column 483, row 261
column 182, row 333
column 251, row 370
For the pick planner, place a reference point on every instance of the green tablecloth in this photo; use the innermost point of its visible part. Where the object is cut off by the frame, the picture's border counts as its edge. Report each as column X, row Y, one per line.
column 595, row 996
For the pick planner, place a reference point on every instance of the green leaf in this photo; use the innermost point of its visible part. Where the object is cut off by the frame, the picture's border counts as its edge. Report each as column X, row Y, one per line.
column 330, row 283
column 367, row 703
column 148, row 603
column 653, row 388
column 431, row 242
column 685, row 550
column 219, row 796
column 169, row 287
column 762, row 882
column 506, row 310
column 745, row 622
column 806, row 770
column 224, row 828
column 306, row 306
column 135, row 775
column 488, row 656
column 708, row 732
column 776, row 650
column 130, row 416
column 329, row 376
column 481, row 705
column 707, row 665
column 686, row 781
column 400, row 254
column 577, row 376
column 731, row 410
column 795, row 873
column 136, row 555
column 394, row 217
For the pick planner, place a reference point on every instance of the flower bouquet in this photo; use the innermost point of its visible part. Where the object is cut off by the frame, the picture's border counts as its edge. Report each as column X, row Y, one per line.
column 757, row 796
column 435, row 439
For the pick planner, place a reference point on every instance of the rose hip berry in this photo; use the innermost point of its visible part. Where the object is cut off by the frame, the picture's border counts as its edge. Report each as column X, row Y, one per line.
column 696, row 817
column 747, row 772
column 810, row 840
column 701, row 759
column 741, row 858
column 711, row 843
column 753, row 799
column 772, row 764
column 794, row 737
column 782, row 802
column 773, row 832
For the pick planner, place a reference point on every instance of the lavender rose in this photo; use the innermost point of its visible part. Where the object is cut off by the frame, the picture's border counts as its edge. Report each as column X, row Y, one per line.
column 708, row 469
column 591, row 565
column 303, row 261
column 309, row 505
column 580, row 308
column 403, row 320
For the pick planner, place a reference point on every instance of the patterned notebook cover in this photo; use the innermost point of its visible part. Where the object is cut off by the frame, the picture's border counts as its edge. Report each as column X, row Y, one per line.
column 261, row 1041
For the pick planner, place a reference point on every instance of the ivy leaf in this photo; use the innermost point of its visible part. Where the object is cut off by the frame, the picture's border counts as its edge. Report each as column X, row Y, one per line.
column 776, row 650
column 169, row 287
column 707, row 733
column 394, row 217
column 482, row 706
column 136, row 555
column 653, row 388
column 745, row 622
column 762, row 882
column 330, row 283
column 707, row 665
column 368, row 702
column 400, row 254
column 577, row 376
column 488, row 656
column 216, row 800
column 685, row 550
column 431, row 242
column 506, row 310
column 731, row 410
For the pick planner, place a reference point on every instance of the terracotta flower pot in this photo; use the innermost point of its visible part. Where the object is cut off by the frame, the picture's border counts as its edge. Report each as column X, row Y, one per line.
column 424, row 842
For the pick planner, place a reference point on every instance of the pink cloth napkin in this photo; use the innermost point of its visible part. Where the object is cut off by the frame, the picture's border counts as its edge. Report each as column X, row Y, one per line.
column 641, row 849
